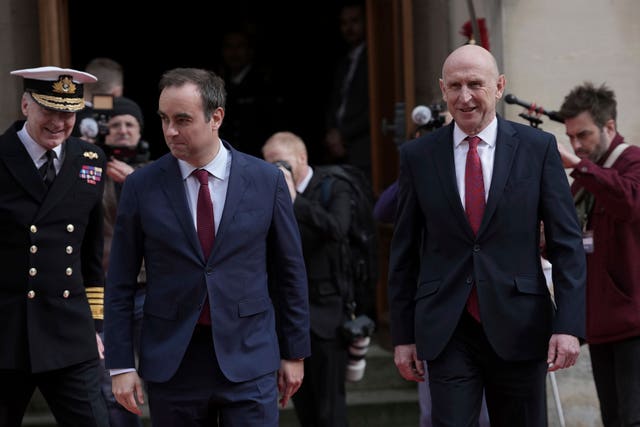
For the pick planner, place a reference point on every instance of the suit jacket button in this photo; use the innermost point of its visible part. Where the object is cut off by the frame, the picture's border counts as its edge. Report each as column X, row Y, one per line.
column 70, row 228
column 33, row 249
column 68, row 271
column 469, row 280
column 31, row 294
column 33, row 229
column 476, row 248
column 65, row 294
column 33, row 272
column 69, row 250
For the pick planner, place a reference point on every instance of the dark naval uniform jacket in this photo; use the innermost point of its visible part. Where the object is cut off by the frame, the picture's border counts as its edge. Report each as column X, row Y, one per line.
column 51, row 283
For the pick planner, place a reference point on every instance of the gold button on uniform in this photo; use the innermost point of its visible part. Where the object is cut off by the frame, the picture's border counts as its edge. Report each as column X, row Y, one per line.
column 33, row 249
column 33, row 272
column 33, row 229
column 70, row 228
column 31, row 294
column 69, row 271
column 69, row 249
column 65, row 294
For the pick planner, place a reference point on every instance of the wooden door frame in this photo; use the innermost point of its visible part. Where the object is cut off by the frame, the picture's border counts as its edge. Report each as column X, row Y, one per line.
column 55, row 44
column 391, row 89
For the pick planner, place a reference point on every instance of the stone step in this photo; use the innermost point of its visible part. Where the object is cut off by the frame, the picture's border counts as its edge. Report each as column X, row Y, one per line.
column 372, row 408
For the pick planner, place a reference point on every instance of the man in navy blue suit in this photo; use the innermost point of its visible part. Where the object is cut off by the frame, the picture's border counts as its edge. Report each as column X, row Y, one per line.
column 224, row 332
column 466, row 288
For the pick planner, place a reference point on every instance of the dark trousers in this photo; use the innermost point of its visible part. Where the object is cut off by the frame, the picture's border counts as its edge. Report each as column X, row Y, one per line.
column 118, row 415
column 321, row 400
column 73, row 395
column 199, row 395
column 515, row 391
column 616, row 373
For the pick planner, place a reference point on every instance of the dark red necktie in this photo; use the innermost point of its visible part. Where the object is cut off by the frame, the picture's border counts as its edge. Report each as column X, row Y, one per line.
column 474, row 206
column 206, row 229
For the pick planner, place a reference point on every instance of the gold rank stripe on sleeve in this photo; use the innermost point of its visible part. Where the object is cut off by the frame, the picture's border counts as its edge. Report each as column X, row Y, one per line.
column 95, row 295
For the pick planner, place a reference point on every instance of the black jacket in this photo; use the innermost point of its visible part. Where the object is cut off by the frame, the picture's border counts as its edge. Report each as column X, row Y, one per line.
column 51, row 251
column 323, row 224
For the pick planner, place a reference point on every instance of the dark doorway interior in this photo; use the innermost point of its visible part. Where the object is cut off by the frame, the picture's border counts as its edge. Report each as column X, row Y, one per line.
column 299, row 40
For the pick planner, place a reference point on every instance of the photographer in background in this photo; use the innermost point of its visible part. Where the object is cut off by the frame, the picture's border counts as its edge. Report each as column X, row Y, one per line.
column 110, row 84
column 321, row 400
column 126, row 151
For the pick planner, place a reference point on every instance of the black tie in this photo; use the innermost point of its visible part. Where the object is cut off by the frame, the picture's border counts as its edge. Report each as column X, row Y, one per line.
column 48, row 169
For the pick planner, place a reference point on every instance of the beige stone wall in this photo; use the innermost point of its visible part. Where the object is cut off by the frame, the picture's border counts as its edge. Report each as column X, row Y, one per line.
column 548, row 46
column 19, row 44
column 551, row 46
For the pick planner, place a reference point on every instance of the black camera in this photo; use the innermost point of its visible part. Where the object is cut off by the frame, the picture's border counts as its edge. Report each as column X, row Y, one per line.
column 284, row 164
column 95, row 127
column 358, row 327
column 357, row 332
column 131, row 155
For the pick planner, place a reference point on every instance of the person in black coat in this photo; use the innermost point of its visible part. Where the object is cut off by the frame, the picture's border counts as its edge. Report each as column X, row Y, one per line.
column 466, row 288
column 348, row 137
column 321, row 400
column 51, row 220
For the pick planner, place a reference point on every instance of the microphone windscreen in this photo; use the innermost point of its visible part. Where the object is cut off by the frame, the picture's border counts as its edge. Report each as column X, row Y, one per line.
column 89, row 127
column 421, row 115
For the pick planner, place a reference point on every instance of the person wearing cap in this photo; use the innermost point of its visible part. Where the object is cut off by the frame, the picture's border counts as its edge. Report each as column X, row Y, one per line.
column 51, row 222
column 126, row 152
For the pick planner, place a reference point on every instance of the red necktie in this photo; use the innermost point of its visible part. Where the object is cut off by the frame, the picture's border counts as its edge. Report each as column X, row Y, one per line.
column 474, row 206
column 206, row 229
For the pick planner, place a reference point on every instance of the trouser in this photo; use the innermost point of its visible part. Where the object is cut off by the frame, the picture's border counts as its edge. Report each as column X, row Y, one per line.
column 73, row 395
column 616, row 374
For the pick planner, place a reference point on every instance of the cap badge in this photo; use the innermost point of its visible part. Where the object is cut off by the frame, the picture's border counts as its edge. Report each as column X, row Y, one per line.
column 64, row 85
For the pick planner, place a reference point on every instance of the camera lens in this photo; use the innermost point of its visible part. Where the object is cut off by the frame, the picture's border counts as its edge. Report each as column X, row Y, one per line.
column 356, row 364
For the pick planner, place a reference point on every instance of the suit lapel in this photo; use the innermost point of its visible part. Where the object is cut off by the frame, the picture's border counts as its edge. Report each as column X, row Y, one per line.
column 506, row 145
column 21, row 166
column 445, row 165
column 173, row 187
column 235, row 192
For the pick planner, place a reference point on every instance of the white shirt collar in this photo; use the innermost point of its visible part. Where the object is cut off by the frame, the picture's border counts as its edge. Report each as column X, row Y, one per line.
column 35, row 150
column 305, row 182
column 488, row 134
column 217, row 166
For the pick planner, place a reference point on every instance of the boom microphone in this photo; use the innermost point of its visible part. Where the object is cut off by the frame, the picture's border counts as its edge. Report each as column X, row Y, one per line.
column 553, row 115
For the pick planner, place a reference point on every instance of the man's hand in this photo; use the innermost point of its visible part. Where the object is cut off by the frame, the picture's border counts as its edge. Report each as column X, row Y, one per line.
column 127, row 388
column 118, row 170
column 288, row 177
column 100, row 345
column 569, row 158
column 290, row 377
column 563, row 351
column 407, row 362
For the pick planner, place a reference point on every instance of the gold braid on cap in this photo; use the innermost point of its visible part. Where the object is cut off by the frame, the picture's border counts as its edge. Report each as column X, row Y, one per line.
column 61, row 95
column 58, row 103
